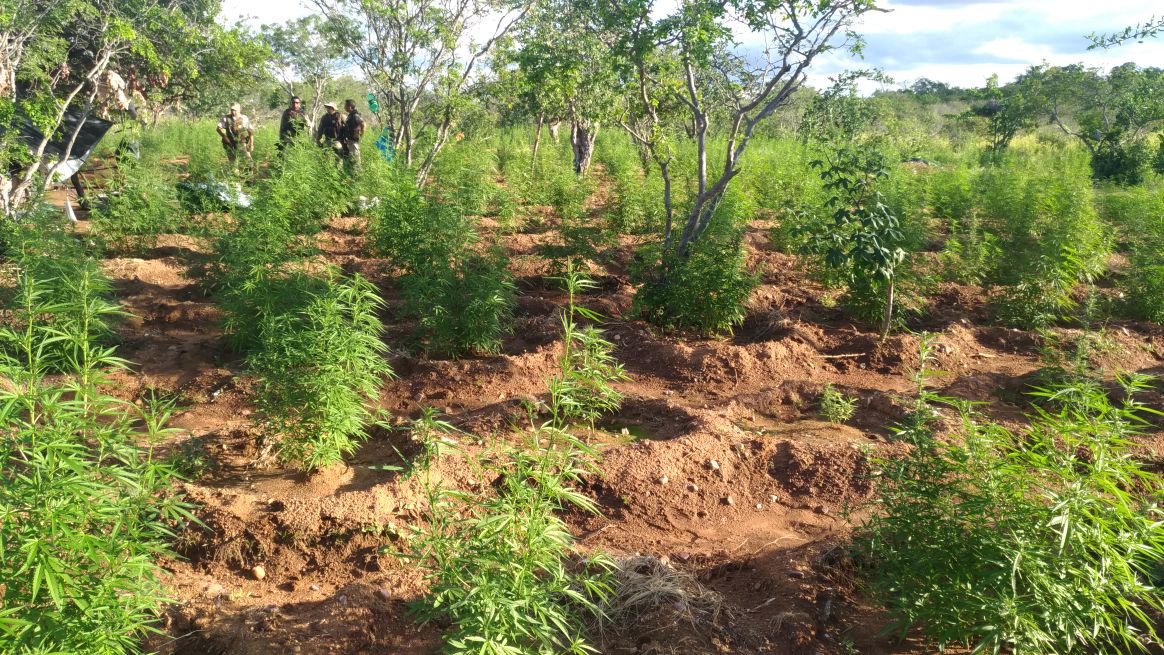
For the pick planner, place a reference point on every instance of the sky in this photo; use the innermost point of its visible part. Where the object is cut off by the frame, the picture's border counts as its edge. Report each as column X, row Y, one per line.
column 959, row 42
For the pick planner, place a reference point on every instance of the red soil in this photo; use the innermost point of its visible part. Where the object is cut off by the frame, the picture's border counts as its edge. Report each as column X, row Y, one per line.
column 765, row 526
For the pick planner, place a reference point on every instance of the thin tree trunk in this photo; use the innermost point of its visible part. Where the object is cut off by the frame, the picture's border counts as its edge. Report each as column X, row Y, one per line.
column 887, row 320
column 533, row 160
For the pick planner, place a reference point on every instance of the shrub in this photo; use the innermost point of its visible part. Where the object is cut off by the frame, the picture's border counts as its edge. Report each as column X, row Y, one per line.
column 142, row 204
column 87, row 513
column 1042, row 542
column 460, row 294
column 464, row 303
column 306, row 186
column 863, row 242
column 705, row 291
column 1045, row 221
column 836, row 407
column 320, row 363
column 247, row 250
column 1122, row 163
column 1136, row 214
column 463, row 176
column 1158, row 158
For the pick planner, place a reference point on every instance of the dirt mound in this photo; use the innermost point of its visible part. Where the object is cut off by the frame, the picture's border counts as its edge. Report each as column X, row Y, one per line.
column 832, row 473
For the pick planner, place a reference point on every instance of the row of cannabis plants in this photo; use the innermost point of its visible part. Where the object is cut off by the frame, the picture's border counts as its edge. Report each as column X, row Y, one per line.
column 310, row 334
column 1044, row 540
column 86, row 507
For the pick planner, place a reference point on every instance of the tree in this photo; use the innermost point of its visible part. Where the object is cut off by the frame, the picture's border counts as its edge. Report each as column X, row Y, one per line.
column 1110, row 114
column 1006, row 110
column 60, row 58
column 687, row 67
column 420, row 56
column 1149, row 29
column 566, row 75
column 301, row 55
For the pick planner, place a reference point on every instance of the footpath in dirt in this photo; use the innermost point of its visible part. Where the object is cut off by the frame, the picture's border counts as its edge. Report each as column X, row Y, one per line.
column 716, row 468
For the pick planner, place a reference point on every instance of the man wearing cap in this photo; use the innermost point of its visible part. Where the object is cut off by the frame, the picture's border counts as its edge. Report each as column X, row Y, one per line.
column 327, row 133
column 293, row 123
column 235, row 130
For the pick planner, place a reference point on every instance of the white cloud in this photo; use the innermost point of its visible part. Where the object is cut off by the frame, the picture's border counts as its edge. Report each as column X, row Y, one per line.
column 959, row 42
column 261, row 12
column 1015, row 49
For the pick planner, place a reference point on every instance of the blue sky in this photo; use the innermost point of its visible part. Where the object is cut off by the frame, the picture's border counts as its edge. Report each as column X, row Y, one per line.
column 960, row 42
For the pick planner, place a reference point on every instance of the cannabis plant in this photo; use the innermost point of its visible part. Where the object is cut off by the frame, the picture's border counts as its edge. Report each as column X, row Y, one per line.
column 320, row 364
column 142, row 203
column 836, row 407
column 460, row 294
column 85, row 512
column 1043, row 542
column 501, row 567
column 583, row 389
column 62, row 299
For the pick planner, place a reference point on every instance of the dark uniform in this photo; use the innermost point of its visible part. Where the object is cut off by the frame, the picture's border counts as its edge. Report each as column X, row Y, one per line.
column 350, row 133
column 327, row 133
column 293, row 123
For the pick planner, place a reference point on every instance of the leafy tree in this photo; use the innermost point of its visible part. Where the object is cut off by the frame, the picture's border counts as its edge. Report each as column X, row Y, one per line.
column 862, row 243
column 565, row 75
column 420, row 56
column 1109, row 114
column 58, row 58
column 301, row 55
column 1007, row 110
column 687, row 73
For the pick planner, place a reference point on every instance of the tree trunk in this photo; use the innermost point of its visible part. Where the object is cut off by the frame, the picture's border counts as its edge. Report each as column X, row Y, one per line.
column 533, row 159
column 887, row 319
column 582, row 141
column 555, row 127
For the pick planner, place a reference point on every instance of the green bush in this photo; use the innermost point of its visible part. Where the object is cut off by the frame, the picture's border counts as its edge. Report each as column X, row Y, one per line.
column 1122, row 163
column 862, row 243
column 306, row 186
column 320, row 363
column 142, row 204
column 87, row 512
column 459, row 292
column 1137, row 214
column 1043, row 542
column 1043, row 216
column 635, row 203
column 463, row 176
column 463, row 301
column 61, row 298
column 705, row 291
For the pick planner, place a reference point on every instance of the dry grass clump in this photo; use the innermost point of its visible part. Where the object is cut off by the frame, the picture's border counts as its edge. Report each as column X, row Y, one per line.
column 651, row 597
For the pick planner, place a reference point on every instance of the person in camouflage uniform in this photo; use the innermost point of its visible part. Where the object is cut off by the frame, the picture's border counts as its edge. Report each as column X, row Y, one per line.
column 237, row 134
column 350, row 134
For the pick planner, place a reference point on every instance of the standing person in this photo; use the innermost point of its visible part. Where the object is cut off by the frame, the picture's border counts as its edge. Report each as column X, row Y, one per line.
column 327, row 133
column 353, row 129
column 293, row 123
column 235, row 130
